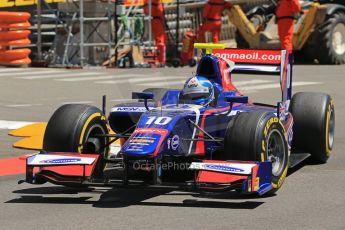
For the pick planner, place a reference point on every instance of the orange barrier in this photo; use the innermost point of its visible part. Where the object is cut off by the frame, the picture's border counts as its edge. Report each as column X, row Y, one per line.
column 13, row 32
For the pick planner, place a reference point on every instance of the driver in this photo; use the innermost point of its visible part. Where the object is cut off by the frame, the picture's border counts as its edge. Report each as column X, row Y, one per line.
column 197, row 90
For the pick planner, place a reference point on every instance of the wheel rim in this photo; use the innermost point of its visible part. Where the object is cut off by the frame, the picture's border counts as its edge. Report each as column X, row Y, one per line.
column 92, row 143
column 331, row 125
column 276, row 151
column 338, row 39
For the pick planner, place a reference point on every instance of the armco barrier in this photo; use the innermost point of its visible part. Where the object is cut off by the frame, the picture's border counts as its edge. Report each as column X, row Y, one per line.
column 14, row 32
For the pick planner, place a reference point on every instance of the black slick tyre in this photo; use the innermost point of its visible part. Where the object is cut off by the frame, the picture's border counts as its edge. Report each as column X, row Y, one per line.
column 258, row 136
column 314, row 124
column 72, row 126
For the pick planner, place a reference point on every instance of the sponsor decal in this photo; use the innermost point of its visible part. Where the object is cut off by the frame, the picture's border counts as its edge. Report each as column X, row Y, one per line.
column 269, row 123
column 144, row 142
column 249, row 56
column 193, row 83
column 61, row 161
column 138, row 140
column 284, row 110
column 256, row 184
column 149, row 130
column 281, row 179
column 175, row 142
column 168, row 142
column 129, row 109
column 290, row 135
column 224, row 168
column 135, row 149
column 249, row 185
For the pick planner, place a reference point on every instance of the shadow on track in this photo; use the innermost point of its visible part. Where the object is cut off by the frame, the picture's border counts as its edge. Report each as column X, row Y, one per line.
column 125, row 197
column 136, row 195
column 52, row 190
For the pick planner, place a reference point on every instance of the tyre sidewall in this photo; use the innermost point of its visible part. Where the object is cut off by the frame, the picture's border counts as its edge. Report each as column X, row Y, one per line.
column 87, row 122
column 265, row 127
column 330, row 109
column 246, row 140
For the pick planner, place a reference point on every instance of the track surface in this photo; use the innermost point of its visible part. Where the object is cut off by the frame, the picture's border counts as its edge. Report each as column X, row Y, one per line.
column 312, row 196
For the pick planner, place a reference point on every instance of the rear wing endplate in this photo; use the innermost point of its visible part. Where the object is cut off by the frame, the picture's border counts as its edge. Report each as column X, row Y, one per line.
column 277, row 62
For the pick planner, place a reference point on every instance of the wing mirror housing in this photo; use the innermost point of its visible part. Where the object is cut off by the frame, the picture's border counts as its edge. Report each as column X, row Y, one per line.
column 228, row 97
column 143, row 96
column 236, row 99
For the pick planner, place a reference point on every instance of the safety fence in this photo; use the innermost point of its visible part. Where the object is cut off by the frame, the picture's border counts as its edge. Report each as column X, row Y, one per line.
column 78, row 32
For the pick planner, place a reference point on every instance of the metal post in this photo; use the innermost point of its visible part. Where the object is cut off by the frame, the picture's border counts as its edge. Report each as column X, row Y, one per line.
column 150, row 22
column 177, row 26
column 81, row 23
column 116, row 28
column 109, row 31
column 39, row 30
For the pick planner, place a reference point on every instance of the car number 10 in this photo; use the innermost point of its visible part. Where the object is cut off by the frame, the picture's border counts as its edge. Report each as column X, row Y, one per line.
column 158, row 120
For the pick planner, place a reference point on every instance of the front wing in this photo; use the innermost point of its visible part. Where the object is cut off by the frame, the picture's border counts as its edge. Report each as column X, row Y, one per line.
column 247, row 177
column 79, row 169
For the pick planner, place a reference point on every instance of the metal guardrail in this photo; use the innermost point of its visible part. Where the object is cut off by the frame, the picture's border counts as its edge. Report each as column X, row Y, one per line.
column 200, row 4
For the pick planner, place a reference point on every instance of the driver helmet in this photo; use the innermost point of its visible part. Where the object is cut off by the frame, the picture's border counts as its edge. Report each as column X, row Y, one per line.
column 198, row 90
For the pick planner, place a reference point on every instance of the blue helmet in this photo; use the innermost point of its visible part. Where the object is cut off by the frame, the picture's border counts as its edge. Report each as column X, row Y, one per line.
column 198, row 90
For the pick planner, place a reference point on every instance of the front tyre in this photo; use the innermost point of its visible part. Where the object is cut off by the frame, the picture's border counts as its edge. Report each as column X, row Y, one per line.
column 258, row 136
column 75, row 128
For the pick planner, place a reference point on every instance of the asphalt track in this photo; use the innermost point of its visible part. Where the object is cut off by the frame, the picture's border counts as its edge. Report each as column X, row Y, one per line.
column 312, row 196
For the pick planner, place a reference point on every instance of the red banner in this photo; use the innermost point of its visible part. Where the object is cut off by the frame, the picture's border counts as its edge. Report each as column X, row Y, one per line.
column 249, row 56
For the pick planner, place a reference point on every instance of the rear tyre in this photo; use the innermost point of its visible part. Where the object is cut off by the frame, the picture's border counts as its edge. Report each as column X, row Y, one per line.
column 258, row 136
column 74, row 128
column 314, row 124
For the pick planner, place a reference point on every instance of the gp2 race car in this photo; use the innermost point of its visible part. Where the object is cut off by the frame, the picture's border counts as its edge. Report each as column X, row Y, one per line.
column 171, row 139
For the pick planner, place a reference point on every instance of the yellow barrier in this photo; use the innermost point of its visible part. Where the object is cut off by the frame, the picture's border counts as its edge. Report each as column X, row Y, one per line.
column 13, row 3
column 13, row 33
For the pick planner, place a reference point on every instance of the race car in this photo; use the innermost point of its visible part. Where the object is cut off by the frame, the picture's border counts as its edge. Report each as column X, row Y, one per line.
column 207, row 135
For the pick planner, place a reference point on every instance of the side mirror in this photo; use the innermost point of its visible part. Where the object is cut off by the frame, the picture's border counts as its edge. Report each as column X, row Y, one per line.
column 144, row 96
column 236, row 99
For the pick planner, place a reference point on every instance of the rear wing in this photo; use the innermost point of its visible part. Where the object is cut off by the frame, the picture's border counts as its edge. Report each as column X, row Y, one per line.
column 277, row 62
column 253, row 60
